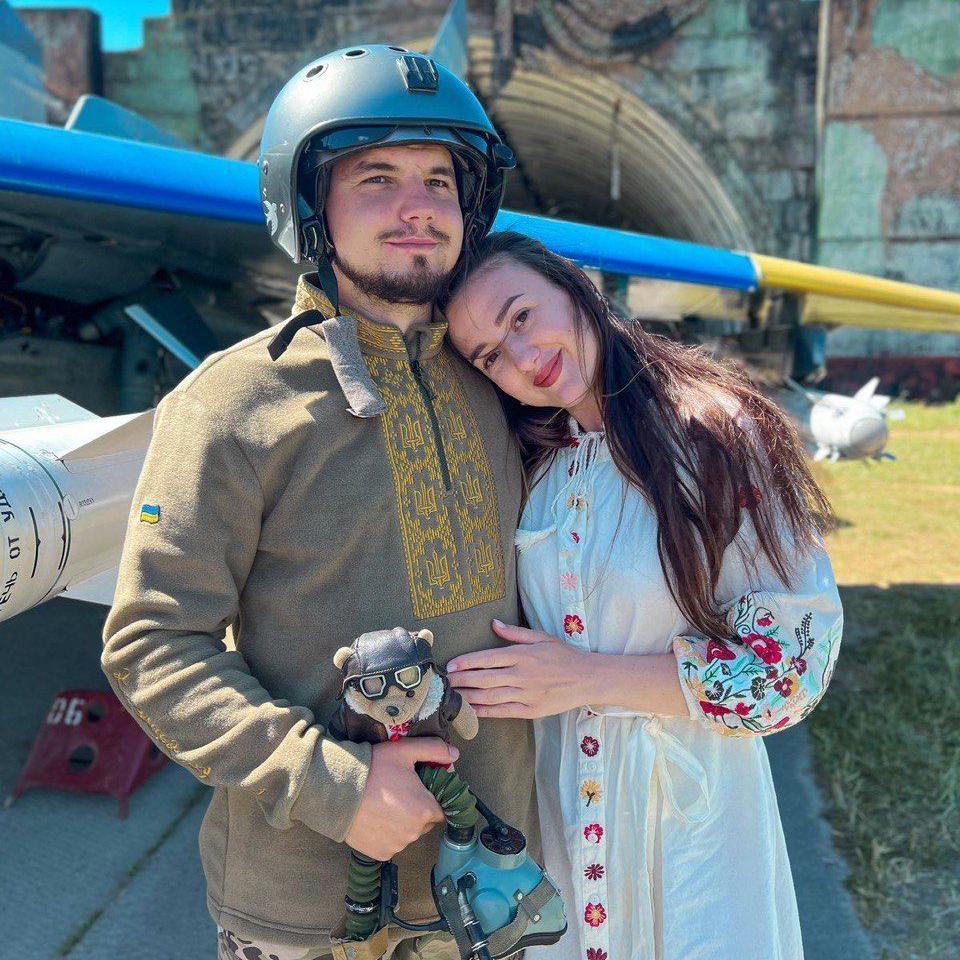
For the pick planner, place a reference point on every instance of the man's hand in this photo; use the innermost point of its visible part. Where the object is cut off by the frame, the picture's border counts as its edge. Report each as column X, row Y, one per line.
column 396, row 808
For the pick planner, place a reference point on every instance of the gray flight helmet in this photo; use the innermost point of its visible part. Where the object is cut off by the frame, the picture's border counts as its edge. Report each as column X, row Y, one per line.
column 359, row 97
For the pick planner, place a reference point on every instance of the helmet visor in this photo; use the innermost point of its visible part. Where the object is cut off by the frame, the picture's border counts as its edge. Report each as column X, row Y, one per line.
column 324, row 146
column 470, row 146
column 349, row 138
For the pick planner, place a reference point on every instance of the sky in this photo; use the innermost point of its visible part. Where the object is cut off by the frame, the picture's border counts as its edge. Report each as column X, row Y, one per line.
column 121, row 21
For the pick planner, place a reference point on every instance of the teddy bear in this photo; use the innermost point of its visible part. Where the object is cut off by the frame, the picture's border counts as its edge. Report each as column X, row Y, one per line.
column 392, row 688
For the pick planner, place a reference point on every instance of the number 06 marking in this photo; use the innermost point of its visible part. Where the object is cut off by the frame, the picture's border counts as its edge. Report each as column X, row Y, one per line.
column 70, row 713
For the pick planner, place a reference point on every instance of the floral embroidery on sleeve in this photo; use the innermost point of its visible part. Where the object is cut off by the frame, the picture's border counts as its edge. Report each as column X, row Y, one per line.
column 764, row 677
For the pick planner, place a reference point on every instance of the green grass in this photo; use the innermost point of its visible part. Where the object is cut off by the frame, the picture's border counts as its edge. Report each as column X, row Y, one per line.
column 900, row 522
column 887, row 736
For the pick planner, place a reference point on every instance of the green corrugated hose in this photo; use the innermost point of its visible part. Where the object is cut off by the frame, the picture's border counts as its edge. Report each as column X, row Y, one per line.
column 363, row 879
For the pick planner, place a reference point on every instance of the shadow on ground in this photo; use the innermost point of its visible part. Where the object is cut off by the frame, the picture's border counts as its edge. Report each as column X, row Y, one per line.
column 886, row 740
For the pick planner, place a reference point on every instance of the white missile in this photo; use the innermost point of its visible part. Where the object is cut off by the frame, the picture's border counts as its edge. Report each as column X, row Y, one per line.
column 838, row 426
column 67, row 479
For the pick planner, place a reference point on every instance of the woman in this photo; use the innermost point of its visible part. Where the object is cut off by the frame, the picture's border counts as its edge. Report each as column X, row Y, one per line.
column 681, row 606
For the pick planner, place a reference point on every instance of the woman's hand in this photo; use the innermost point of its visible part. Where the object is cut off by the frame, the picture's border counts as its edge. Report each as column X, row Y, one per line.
column 536, row 676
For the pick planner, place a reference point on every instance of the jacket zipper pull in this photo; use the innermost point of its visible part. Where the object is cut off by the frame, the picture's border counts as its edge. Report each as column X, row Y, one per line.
column 418, row 373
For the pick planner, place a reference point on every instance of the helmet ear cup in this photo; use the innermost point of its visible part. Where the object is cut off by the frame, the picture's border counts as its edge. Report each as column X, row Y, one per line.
column 471, row 178
column 321, row 192
column 312, row 190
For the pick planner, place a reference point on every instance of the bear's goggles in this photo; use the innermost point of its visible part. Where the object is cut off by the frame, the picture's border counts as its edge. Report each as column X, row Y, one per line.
column 375, row 685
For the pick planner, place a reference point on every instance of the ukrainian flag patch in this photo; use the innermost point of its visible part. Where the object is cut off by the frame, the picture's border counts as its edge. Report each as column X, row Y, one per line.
column 150, row 513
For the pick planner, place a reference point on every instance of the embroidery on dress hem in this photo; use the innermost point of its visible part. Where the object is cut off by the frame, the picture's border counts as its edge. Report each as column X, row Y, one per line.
column 591, row 791
column 594, row 914
column 593, row 833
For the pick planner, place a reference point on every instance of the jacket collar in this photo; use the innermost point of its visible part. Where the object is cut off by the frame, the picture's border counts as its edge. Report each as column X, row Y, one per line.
column 422, row 341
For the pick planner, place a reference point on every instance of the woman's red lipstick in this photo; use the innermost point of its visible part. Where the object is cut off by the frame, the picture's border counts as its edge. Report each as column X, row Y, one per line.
column 548, row 375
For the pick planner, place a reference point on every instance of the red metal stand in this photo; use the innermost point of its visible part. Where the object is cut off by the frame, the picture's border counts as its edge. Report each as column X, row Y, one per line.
column 89, row 743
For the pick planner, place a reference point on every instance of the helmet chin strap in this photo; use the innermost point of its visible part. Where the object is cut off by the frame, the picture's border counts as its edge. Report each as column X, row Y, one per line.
column 320, row 258
column 328, row 279
column 361, row 392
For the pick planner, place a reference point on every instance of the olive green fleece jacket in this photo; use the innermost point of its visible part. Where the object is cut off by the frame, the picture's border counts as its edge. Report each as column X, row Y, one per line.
column 363, row 480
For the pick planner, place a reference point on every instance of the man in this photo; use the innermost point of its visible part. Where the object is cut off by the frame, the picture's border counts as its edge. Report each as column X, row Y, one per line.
column 345, row 475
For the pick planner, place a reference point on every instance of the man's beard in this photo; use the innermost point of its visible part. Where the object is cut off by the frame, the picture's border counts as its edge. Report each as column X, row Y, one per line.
column 421, row 284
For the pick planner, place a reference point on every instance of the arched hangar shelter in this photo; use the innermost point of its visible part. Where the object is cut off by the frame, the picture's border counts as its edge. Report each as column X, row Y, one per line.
column 591, row 150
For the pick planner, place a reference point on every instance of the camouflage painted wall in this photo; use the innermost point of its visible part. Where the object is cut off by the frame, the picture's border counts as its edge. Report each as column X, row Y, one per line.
column 731, row 125
column 223, row 61
column 158, row 81
column 72, row 61
column 891, row 153
column 730, row 81
column 733, row 79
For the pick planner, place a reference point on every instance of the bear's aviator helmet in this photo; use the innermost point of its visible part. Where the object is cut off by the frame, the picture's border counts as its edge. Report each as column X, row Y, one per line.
column 362, row 97
column 385, row 658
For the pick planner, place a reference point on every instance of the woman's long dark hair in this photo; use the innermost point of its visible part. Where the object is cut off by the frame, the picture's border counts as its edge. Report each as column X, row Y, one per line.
column 689, row 432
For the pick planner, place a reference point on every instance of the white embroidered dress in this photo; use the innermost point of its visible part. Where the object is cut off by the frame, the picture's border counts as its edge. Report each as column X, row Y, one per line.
column 662, row 833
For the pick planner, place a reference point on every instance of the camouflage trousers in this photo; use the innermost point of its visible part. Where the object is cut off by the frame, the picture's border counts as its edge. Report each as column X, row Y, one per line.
column 431, row 946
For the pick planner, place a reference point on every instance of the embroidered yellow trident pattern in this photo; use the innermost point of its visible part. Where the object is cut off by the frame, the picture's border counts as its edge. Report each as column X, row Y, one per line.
column 445, row 489
column 449, row 518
